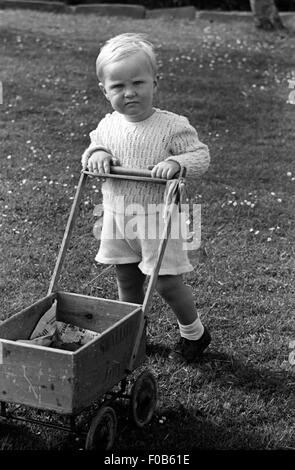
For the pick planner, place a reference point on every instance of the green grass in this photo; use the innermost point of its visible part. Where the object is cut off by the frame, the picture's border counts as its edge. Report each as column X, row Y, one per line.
column 232, row 83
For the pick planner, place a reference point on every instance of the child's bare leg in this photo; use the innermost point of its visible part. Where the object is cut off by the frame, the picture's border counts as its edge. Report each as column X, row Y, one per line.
column 179, row 297
column 195, row 338
column 130, row 282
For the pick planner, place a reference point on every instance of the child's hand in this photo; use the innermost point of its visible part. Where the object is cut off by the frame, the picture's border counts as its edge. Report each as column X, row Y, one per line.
column 100, row 162
column 166, row 169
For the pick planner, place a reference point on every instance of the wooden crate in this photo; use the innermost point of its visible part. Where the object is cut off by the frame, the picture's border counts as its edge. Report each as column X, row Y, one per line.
column 68, row 381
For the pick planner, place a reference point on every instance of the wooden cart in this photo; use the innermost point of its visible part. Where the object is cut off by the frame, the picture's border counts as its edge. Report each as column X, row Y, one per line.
column 68, row 382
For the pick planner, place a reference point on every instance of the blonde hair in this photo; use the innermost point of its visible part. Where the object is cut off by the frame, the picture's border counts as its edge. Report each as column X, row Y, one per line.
column 122, row 46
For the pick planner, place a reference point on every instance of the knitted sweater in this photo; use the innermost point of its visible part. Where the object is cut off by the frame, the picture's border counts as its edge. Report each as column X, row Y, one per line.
column 162, row 136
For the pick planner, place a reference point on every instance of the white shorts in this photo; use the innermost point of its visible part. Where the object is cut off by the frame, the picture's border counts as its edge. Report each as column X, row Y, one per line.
column 128, row 239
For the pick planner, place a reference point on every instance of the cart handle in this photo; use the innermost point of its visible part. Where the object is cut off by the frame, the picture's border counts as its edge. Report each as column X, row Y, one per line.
column 137, row 174
column 116, row 172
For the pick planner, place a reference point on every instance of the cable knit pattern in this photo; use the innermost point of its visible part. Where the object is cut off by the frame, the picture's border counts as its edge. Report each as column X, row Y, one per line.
column 162, row 136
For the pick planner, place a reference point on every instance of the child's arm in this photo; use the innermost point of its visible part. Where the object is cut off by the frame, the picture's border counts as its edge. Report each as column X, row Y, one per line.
column 97, row 157
column 187, row 150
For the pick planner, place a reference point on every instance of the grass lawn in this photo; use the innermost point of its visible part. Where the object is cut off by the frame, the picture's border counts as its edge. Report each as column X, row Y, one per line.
column 232, row 83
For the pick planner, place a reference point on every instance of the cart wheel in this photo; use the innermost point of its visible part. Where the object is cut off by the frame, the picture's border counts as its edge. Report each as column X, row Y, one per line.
column 102, row 431
column 144, row 394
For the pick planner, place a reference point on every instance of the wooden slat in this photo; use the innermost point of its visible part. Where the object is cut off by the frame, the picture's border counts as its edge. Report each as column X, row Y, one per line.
column 102, row 364
column 67, row 234
column 36, row 376
column 92, row 313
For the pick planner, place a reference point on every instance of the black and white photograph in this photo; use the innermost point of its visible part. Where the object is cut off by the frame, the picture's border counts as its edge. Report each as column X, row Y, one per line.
column 147, row 221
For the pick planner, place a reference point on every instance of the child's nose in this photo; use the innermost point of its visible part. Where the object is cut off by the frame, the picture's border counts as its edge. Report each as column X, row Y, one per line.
column 129, row 92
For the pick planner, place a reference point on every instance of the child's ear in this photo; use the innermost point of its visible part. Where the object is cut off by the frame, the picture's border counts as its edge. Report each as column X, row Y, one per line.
column 103, row 90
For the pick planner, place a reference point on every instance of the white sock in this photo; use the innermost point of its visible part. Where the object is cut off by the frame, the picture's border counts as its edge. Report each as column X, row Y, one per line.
column 193, row 332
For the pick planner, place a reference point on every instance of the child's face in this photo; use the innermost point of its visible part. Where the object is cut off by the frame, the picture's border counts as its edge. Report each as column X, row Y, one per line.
column 130, row 85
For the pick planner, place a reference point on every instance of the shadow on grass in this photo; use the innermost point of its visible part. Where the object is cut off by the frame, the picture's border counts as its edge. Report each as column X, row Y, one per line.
column 184, row 431
column 153, row 349
column 19, row 437
column 229, row 370
column 201, row 426
column 22, row 434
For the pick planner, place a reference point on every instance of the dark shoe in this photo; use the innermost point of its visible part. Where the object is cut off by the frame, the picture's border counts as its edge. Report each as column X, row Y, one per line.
column 188, row 351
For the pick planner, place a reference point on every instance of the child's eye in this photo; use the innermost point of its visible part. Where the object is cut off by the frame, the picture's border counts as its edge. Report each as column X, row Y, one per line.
column 138, row 82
